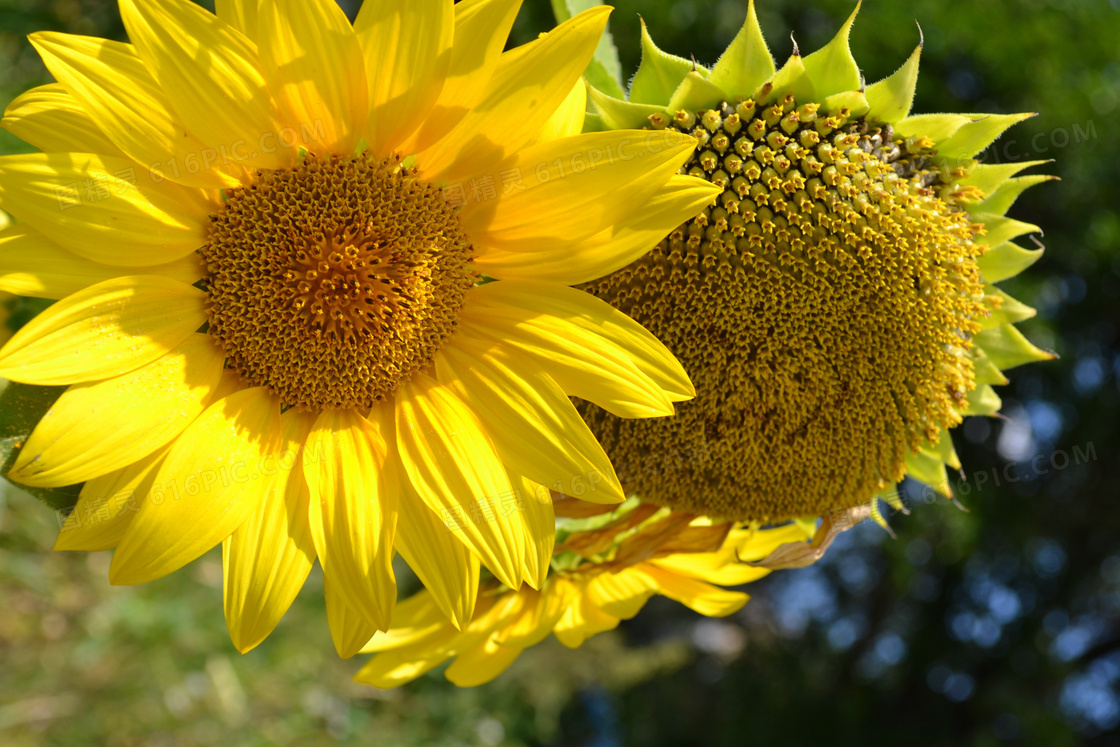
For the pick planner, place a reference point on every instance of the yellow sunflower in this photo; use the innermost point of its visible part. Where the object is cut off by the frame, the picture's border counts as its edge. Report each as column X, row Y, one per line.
column 611, row 562
column 315, row 294
column 836, row 306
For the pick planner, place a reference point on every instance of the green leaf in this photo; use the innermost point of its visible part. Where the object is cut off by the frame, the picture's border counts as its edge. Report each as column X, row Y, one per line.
column 832, row 67
column 605, row 69
column 1006, row 261
column 22, row 406
column 891, row 98
column 747, row 62
column 1007, row 348
column 659, row 74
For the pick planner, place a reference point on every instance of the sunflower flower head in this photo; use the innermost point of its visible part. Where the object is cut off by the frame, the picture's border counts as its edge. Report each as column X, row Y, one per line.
column 315, row 295
column 834, row 306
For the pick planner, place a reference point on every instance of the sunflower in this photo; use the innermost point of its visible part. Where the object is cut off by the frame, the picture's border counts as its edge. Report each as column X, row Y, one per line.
column 836, row 305
column 315, row 294
column 611, row 561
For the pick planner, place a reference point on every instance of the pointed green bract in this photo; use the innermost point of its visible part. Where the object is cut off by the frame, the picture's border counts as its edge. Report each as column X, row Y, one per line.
column 659, row 74
column 943, row 450
column 982, row 400
column 987, row 177
column 617, row 114
column 854, row 102
column 977, row 135
column 792, row 78
column 984, row 370
column 929, row 470
column 1006, row 260
column 1006, row 194
column 999, row 230
column 1007, row 348
column 937, row 127
column 695, row 93
column 891, row 98
column 747, row 63
column 832, row 68
column 1005, row 309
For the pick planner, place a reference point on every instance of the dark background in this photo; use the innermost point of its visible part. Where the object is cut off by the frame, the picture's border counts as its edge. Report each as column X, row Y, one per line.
column 997, row 626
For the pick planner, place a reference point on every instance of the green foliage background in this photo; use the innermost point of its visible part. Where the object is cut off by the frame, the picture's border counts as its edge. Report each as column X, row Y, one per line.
column 997, row 626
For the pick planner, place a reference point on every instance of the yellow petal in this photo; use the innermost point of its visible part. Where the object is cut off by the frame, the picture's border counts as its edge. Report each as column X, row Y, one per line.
column 555, row 194
column 582, row 619
column 534, row 426
column 112, row 84
column 51, row 119
column 107, row 505
column 241, row 14
column 350, row 630
column 94, row 429
column 209, row 484
column 711, row 567
column 315, row 69
column 401, row 666
column 535, row 502
column 33, row 265
column 481, row 28
column 612, row 248
column 414, row 619
column 592, row 350
column 266, row 561
column 102, row 208
column 408, row 45
column 539, row 613
column 442, row 563
column 621, row 594
column 519, row 99
column 567, row 121
column 210, row 73
column 699, row 596
column 455, row 469
column 354, row 505
column 103, row 331
column 448, row 570
column 481, row 663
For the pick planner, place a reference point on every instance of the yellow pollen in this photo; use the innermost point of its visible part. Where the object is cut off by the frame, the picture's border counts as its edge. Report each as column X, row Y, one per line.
column 333, row 281
column 824, row 307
